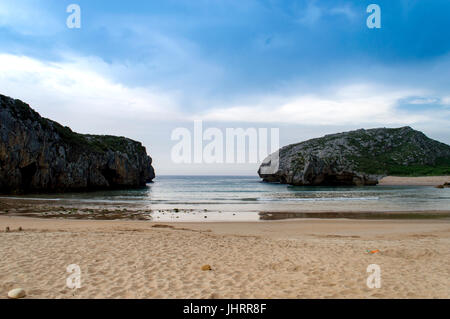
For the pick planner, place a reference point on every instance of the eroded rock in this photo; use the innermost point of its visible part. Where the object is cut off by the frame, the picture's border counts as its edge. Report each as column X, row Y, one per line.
column 358, row 157
column 40, row 155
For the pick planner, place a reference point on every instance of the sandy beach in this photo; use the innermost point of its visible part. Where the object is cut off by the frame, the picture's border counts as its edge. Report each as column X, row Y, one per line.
column 307, row 258
column 415, row 181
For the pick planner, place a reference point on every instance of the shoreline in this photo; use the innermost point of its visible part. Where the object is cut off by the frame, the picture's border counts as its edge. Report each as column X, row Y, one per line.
column 277, row 259
column 287, row 228
column 132, row 211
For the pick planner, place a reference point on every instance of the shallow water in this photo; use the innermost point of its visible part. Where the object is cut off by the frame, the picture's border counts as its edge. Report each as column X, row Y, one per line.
column 249, row 194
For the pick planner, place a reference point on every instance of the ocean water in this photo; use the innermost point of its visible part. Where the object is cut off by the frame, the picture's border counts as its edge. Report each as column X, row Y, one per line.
column 249, row 194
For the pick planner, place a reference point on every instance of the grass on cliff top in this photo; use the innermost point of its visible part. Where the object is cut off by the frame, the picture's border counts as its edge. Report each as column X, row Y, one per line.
column 93, row 143
column 380, row 166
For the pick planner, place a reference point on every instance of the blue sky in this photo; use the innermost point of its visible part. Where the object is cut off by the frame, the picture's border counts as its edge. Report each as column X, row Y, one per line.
column 142, row 68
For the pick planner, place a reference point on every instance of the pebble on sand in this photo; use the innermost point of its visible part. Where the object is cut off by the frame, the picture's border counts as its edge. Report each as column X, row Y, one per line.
column 206, row 267
column 17, row 293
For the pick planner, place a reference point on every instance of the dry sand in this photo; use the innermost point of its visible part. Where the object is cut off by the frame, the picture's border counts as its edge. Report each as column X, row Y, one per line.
column 415, row 181
column 273, row 259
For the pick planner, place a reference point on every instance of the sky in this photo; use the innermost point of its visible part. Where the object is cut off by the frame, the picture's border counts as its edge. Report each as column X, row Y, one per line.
column 309, row 67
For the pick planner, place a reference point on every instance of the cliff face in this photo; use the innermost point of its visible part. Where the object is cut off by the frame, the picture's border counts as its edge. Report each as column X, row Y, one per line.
column 40, row 155
column 357, row 158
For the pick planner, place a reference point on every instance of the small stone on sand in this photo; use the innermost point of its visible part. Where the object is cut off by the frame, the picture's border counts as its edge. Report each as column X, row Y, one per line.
column 16, row 293
column 206, row 267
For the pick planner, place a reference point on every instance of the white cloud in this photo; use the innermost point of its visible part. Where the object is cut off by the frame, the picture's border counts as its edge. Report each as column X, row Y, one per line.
column 423, row 100
column 80, row 91
column 351, row 104
column 346, row 11
column 73, row 91
column 313, row 13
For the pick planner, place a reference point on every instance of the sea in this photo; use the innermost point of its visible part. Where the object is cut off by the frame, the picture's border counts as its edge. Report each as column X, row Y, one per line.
column 240, row 197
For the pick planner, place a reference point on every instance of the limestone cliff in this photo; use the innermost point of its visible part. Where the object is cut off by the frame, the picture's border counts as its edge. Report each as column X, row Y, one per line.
column 358, row 157
column 40, row 155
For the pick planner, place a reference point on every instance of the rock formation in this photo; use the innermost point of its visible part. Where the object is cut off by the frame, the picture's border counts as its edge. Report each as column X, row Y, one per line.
column 358, row 157
column 40, row 155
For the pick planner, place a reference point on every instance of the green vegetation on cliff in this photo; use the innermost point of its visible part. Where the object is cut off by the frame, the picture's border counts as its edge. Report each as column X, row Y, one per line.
column 401, row 152
column 383, row 165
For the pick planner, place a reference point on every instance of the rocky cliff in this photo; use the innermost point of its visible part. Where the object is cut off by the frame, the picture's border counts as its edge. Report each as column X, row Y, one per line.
column 40, row 155
column 357, row 158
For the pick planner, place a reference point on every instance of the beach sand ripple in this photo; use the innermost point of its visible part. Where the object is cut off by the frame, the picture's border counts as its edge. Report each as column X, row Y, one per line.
column 136, row 260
